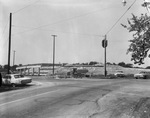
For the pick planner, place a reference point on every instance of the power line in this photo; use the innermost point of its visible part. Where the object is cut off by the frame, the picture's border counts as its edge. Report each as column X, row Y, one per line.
column 57, row 31
column 64, row 20
column 26, row 7
column 4, row 28
column 6, row 40
column 121, row 17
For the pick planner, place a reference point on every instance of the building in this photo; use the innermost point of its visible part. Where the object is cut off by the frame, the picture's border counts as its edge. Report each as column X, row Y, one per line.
column 37, row 69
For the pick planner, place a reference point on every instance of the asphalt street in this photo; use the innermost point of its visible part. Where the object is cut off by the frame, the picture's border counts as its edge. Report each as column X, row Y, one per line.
column 78, row 98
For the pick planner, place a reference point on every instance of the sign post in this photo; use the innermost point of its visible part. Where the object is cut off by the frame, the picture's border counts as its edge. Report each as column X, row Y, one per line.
column 104, row 45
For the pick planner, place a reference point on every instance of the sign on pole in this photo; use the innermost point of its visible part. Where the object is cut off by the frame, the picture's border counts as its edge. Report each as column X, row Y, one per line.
column 104, row 43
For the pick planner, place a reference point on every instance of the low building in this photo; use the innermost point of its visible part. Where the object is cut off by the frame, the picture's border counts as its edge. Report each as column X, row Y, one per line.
column 37, row 69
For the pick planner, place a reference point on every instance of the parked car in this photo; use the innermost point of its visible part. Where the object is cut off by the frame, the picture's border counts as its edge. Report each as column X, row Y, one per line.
column 15, row 79
column 142, row 75
column 119, row 73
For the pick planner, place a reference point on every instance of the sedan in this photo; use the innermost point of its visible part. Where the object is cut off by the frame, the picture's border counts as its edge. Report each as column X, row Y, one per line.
column 119, row 74
column 15, row 79
column 142, row 75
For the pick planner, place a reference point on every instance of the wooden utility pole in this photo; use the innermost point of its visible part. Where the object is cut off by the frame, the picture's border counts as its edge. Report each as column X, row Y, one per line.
column 9, row 47
column 54, row 53
column 104, row 45
column 14, row 58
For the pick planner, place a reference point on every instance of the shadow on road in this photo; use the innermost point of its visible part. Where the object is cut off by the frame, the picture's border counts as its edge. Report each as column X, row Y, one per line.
column 5, row 88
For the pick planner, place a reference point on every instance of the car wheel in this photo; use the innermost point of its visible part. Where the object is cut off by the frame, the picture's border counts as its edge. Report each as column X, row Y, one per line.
column 144, row 77
column 136, row 78
column 13, row 85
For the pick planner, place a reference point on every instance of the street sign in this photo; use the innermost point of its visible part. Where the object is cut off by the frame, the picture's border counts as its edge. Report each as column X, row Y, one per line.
column 104, row 43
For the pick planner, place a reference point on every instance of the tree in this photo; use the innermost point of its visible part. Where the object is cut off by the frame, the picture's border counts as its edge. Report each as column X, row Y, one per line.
column 129, row 65
column 140, row 44
column 148, row 67
column 14, row 67
column 20, row 64
column 93, row 63
column 5, row 66
column 109, row 63
column 122, row 64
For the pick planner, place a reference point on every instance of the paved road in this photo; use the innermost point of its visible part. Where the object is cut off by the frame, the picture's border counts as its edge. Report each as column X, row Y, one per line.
column 103, row 98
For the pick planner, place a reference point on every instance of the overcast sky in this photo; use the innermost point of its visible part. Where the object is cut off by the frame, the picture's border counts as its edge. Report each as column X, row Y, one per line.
column 78, row 24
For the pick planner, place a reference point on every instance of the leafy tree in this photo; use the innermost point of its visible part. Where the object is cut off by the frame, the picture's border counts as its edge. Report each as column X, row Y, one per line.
column 84, row 63
column 122, row 64
column 140, row 44
column 109, row 63
column 114, row 63
column 5, row 66
column 129, row 65
column 20, row 64
column 14, row 67
column 148, row 67
column 93, row 63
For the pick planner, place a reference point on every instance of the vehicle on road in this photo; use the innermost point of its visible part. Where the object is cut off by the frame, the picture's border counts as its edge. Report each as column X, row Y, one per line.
column 119, row 73
column 15, row 79
column 78, row 73
column 142, row 75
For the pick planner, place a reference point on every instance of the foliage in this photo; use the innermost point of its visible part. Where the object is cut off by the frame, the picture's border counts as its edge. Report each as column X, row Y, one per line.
column 93, row 63
column 5, row 66
column 109, row 63
column 140, row 44
column 148, row 67
column 129, row 65
column 123, row 64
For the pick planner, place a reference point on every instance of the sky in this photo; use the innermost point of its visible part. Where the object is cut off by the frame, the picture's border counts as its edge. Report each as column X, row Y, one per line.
column 79, row 25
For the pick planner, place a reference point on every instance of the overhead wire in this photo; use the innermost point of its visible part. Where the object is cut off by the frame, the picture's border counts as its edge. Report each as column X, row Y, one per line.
column 70, row 18
column 3, row 31
column 63, row 20
column 120, row 17
column 57, row 31
column 25, row 7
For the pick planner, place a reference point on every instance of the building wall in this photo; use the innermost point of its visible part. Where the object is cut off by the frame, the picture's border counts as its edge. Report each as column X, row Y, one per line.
column 37, row 69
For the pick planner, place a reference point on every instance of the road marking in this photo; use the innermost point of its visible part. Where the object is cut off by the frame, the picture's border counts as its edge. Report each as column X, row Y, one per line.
column 27, row 98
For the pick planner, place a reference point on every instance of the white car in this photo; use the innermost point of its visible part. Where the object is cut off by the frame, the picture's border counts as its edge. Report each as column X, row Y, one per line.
column 15, row 79
column 119, row 74
column 142, row 75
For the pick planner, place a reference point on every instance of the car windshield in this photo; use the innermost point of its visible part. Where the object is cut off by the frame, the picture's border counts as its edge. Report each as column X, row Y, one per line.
column 18, row 76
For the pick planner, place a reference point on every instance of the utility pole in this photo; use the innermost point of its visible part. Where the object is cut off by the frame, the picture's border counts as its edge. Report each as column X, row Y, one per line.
column 14, row 58
column 104, row 45
column 54, row 52
column 105, row 57
column 9, row 47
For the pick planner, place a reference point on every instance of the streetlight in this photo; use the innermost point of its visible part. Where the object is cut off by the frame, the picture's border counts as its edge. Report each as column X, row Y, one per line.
column 53, row 52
